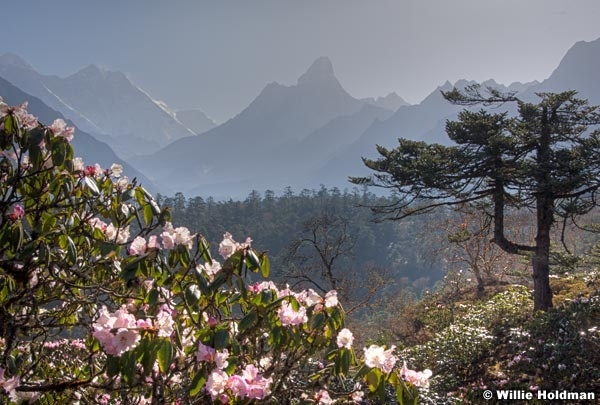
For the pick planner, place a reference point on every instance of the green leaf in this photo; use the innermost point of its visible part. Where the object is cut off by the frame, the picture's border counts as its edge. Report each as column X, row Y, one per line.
column 17, row 236
column 10, row 124
column 317, row 320
column 153, row 296
column 184, row 256
column 192, row 294
column 203, row 248
column 71, row 251
column 128, row 367
column 265, row 265
column 165, row 355
column 149, row 354
column 36, row 136
column 252, row 261
column 112, row 366
column 148, row 215
column 35, row 156
column 247, row 321
column 221, row 339
column 91, row 184
column 197, row 384
column 59, row 152
column 131, row 267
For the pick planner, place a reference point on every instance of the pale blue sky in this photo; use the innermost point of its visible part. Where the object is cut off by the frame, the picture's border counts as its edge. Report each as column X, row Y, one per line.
column 217, row 55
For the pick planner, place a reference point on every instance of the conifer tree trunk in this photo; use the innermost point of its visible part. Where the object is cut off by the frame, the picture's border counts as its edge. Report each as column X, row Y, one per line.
column 542, row 294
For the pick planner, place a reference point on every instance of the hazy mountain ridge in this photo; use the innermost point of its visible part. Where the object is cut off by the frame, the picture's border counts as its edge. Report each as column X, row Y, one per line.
column 196, row 120
column 103, row 102
column 309, row 133
column 85, row 145
column 270, row 128
column 325, row 155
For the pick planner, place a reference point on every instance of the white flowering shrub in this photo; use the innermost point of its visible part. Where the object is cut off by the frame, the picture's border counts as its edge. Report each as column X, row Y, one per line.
column 103, row 300
column 456, row 353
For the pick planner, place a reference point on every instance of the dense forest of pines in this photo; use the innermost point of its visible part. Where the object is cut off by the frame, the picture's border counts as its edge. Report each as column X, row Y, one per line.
column 339, row 220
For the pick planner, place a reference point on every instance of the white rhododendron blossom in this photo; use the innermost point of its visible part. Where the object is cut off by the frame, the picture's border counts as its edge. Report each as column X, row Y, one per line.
column 78, row 164
column 228, row 245
column 114, row 234
column 378, row 357
column 164, row 322
column 417, row 378
column 331, row 299
column 216, row 383
column 116, row 170
column 309, row 297
column 345, row 338
column 210, row 269
column 172, row 237
column 289, row 316
column 59, row 128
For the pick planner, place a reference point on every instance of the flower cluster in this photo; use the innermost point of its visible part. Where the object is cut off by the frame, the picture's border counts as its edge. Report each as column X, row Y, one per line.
column 249, row 384
column 117, row 332
column 378, row 357
column 172, row 237
column 229, row 246
column 417, row 378
column 28, row 121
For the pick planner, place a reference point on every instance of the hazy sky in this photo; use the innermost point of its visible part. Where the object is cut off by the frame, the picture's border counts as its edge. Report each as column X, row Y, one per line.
column 217, row 55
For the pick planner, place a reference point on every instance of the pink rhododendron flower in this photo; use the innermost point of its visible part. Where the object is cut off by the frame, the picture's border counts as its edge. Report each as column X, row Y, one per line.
column 8, row 384
column 322, row 398
column 117, row 235
column 27, row 120
column 17, row 213
column 265, row 285
column 172, row 237
column 205, row 353
column 378, row 357
column 216, row 383
column 257, row 386
column 417, row 378
column 345, row 339
column 286, row 292
column 221, row 359
column 164, row 322
column 289, row 316
column 59, row 128
column 98, row 223
column 121, row 183
column 237, row 385
column 117, row 332
column 138, row 246
column 144, row 324
column 210, row 320
column 153, row 242
column 210, row 269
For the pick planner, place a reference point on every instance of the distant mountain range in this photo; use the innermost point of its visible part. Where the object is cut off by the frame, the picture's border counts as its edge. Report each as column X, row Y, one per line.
column 103, row 103
column 86, row 146
column 301, row 135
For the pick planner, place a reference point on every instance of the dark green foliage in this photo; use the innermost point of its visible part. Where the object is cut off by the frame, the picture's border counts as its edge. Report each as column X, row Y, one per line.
column 544, row 159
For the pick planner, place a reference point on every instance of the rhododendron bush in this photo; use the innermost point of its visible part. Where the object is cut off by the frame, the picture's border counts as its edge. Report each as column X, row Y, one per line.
column 103, row 300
